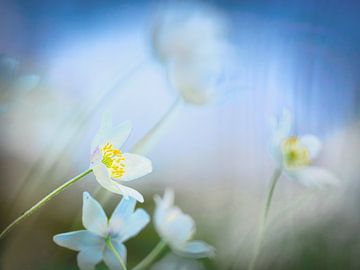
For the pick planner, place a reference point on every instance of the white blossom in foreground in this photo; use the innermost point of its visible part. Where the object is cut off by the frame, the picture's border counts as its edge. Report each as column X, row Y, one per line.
column 125, row 222
column 189, row 39
column 177, row 229
column 112, row 167
column 294, row 154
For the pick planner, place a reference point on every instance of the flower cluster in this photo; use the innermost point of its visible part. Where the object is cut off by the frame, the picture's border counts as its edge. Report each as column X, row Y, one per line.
column 190, row 43
column 104, row 238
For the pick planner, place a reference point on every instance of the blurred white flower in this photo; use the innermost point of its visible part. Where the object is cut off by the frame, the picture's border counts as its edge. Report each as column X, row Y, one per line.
column 294, row 154
column 13, row 84
column 93, row 243
column 110, row 165
column 177, row 229
column 189, row 39
column 174, row 262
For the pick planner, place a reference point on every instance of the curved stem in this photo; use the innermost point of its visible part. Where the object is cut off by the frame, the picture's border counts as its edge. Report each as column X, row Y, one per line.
column 48, row 161
column 143, row 146
column 149, row 259
column 42, row 202
column 274, row 179
column 116, row 254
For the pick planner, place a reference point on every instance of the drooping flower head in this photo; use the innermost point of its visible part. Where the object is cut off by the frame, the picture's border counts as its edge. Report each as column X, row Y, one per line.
column 110, row 165
column 125, row 222
column 177, row 229
column 295, row 154
column 188, row 38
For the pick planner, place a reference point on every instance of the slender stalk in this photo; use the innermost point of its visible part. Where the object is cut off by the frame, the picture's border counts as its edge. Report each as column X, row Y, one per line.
column 42, row 202
column 150, row 258
column 144, row 146
column 116, row 254
column 260, row 237
column 48, row 161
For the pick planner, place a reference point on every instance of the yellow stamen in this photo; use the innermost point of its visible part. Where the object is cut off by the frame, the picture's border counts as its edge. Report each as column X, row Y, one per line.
column 113, row 160
column 294, row 153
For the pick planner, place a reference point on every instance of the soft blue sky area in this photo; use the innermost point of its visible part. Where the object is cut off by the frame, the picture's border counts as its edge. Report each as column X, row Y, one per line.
column 303, row 55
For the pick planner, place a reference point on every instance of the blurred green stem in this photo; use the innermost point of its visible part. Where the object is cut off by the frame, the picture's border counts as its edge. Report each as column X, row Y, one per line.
column 260, row 236
column 147, row 142
column 116, row 254
column 43, row 201
column 150, row 258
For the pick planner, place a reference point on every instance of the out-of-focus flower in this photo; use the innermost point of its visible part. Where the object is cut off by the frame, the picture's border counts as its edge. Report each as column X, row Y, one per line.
column 92, row 242
column 110, row 165
column 189, row 39
column 294, row 154
column 174, row 262
column 177, row 229
column 13, row 84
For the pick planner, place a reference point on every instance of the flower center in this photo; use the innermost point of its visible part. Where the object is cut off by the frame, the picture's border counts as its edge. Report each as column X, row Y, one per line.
column 113, row 160
column 295, row 154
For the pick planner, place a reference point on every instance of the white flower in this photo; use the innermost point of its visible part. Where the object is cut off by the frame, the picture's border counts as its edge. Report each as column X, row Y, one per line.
column 295, row 154
column 111, row 166
column 189, row 40
column 92, row 242
column 177, row 229
column 186, row 31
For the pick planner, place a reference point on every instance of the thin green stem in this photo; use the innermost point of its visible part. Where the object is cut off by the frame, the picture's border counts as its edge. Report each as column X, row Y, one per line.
column 260, row 237
column 147, row 142
column 116, row 254
column 150, row 258
column 42, row 202
column 48, row 161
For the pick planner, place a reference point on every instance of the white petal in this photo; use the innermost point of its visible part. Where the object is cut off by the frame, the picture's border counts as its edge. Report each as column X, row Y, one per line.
column 94, row 218
column 103, row 178
column 167, row 200
column 119, row 134
column 280, row 130
column 162, row 207
column 175, row 227
column 115, row 135
column 314, row 177
column 196, row 249
column 281, row 127
column 134, row 225
column 88, row 258
column 122, row 213
column 78, row 240
column 103, row 132
column 312, row 144
column 135, row 166
column 110, row 259
column 130, row 192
